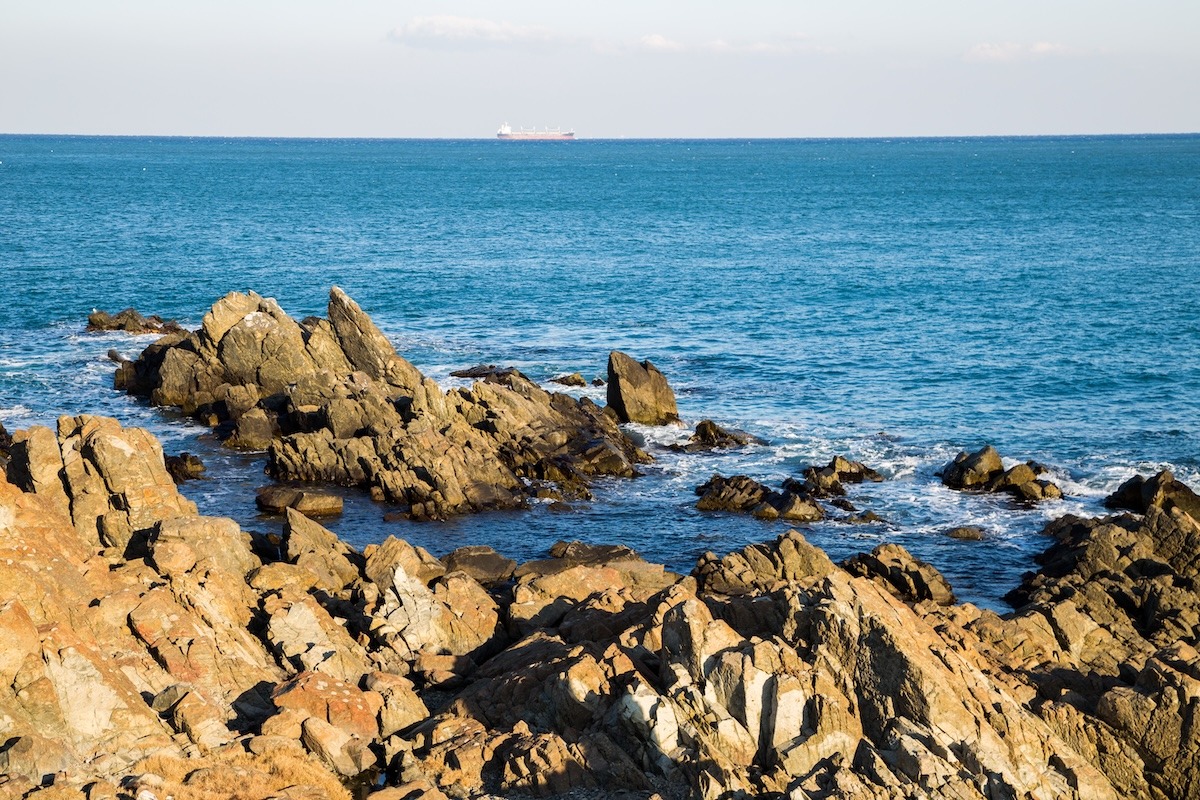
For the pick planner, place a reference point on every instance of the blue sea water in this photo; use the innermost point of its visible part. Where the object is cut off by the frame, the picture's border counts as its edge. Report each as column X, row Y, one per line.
column 894, row 301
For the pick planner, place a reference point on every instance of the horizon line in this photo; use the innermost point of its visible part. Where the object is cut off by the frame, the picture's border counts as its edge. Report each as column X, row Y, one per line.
column 577, row 138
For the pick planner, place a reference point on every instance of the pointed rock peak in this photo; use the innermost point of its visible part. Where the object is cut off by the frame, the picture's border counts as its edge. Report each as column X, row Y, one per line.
column 227, row 312
column 365, row 346
column 639, row 392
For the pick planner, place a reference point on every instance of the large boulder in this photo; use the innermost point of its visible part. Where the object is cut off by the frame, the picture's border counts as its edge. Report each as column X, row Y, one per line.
column 1160, row 491
column 112, row 481
column 983, row 470
column 639, row 392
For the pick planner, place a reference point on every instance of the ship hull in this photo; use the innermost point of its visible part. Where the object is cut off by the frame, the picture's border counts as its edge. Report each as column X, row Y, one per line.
column 536, row 137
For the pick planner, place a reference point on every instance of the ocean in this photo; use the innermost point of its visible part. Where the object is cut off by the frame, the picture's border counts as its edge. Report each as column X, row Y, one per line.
column 891, row 300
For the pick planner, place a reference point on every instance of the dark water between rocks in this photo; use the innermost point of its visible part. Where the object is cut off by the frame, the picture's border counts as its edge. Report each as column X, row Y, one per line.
column 891, row 300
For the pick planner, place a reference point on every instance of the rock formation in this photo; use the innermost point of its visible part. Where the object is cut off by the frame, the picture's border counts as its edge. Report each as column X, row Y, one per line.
column 983, row 471
column 711, row 436
column 796, row 500
column 152, row 652
column 130, row 321
column 332, row 401
column 639, row 392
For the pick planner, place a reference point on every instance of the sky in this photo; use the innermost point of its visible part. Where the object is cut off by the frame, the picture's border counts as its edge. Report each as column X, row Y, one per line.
column 620, row 68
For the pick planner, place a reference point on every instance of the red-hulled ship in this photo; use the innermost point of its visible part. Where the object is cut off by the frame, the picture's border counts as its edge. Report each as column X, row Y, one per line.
column 531, row 135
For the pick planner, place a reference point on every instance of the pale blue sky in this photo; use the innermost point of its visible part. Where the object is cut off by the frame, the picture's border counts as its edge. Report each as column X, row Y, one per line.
column 617, row 68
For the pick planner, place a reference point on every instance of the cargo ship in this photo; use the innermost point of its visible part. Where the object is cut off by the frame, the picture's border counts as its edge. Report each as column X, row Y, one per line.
column 531, row 135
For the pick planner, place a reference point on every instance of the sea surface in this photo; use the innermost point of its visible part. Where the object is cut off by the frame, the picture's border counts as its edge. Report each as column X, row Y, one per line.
column 891, row 300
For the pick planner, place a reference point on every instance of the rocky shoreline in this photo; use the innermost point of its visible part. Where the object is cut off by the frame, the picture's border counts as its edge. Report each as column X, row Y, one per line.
column 151, row 652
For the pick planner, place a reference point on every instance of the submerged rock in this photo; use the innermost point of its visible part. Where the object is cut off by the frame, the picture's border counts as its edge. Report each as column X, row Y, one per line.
column 130, row 321
column 573, row 379
column 711, row 436
column 639, row 392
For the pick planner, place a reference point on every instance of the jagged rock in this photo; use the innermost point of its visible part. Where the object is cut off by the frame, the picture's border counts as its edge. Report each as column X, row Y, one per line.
column 1161, row 491
column 742, row 493
column 983, row 470
column 307, row 638
column 333, row 563
column 450, row 616
column 401, row 707
column 184, row 467
column 639, row 392
column 335, row 720
column 392, row 555
column 762, row 568
column 711, row 436
column 131, row 321
column 592, row 565
column 573, row 379
column 973, row 470
column 334, row 402
column 903, row 575
column 112, row 481
column 279, row 499
column 770, row 672
column 482, row 563
column 6, row 443
column 256, row 429
column 827, row 481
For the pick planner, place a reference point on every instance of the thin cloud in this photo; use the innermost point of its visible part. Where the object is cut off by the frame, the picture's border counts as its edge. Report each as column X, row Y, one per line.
column 471, row 33
column 1003, row 52
column 657, row 43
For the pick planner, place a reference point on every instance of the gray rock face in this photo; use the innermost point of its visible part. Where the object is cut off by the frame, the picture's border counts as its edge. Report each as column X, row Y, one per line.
column 639, row 392
column 332, row 401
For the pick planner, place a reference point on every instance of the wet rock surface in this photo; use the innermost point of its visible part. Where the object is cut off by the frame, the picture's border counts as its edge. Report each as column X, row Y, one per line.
column 130, row 321
column 984, row 471
column 711, row 436
column 331, row 400
column 183, row 661
column 796, row 500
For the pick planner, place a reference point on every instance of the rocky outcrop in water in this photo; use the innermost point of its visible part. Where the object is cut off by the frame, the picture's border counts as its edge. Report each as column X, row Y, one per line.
column 711, row 436
column 332, row 401
column 796, row 500
column 744, row 494
column 1160, row 492
column 638, row 392
column 198, row 659
column 130, row 321
column 983, row 471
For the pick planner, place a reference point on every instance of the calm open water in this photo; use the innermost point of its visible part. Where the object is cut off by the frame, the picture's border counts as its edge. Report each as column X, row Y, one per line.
column 891, row 300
